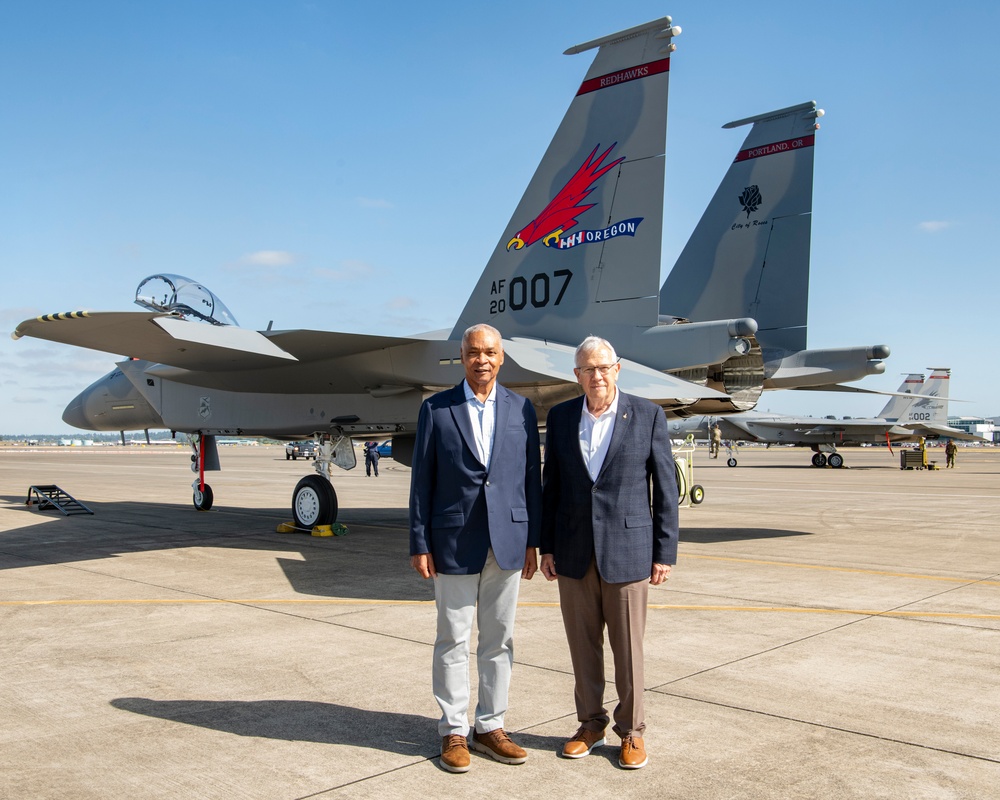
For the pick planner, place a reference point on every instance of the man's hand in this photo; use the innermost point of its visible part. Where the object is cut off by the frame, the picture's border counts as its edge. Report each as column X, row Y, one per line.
column 657, row 575
column 424, row 564
column 549, row 567
column 530, row 564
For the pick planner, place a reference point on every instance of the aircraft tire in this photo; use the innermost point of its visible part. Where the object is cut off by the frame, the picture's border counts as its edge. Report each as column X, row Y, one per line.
column 697, row 494
column 819, row 460
column 731, row 462
column 203, row 499
column 835, row 460
column 314, row 502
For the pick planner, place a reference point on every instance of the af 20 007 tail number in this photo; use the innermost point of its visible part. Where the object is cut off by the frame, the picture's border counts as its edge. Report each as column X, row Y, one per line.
column 537, row 290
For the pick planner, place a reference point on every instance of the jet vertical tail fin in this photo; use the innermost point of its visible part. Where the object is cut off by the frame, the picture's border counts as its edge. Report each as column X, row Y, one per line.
column 749, row 254
column 582, row 252
column 913, row 385
column 932, row 406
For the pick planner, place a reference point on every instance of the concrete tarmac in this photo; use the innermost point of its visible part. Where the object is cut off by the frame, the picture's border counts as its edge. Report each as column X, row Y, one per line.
column 825, row 634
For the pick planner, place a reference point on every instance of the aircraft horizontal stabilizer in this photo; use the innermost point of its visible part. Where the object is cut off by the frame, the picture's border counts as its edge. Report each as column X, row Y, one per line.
column 839, row 387
column 558, row 360
column 945, row 432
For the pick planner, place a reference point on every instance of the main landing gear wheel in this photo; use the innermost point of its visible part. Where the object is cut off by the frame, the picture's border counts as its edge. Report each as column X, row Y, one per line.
column 314, row 502
column 731, row 462
column 819, row 460
column 203, row 499
column 835, row 460
column 697, row 494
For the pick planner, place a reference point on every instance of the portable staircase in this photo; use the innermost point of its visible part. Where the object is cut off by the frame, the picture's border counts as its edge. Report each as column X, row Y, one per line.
column 46, row 497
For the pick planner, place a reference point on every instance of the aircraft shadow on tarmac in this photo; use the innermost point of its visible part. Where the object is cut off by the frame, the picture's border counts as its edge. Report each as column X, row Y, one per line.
column 310, row 721
column 746, row 463
column 714, row 535
column 372, row 562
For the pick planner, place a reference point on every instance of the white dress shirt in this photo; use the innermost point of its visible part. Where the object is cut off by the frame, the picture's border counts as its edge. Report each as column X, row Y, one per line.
column 595, row 435
column 483, row 418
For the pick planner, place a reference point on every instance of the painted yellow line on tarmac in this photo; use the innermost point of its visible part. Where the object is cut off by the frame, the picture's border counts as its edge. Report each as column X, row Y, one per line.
column 334, row 601
column 860, row 612
column 342, row 601
column 858, row 570
column 803, row 489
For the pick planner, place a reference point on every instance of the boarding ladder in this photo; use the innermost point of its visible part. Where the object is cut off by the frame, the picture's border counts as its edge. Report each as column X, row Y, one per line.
column 46, row 497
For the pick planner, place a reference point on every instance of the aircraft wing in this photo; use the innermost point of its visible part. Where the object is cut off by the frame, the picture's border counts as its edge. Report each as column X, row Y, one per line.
column 860, row 429
column 822, row 428
column 557, row 361
column 167, row 339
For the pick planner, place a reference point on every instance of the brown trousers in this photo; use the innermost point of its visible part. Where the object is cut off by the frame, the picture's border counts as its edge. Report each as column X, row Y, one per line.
column 588, row 605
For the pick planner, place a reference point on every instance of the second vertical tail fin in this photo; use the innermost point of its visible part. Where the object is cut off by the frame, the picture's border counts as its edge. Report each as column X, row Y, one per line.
column 749, row 254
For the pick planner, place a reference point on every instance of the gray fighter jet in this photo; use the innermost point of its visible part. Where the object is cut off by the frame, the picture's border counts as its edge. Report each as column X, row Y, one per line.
column 580, row 256
column 918, row 411
column 749, row 256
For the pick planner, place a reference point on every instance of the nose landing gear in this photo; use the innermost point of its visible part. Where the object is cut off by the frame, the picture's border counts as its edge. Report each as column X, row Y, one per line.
column 205, row 457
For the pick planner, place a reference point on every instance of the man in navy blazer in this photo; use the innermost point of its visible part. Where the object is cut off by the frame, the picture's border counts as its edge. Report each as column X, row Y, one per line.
column 609, row 529
column 475, row 517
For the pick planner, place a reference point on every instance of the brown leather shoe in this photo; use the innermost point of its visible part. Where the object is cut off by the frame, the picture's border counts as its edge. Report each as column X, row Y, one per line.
column 583, row 741
column 455, row 753
column 498, row 746
column 633, row 753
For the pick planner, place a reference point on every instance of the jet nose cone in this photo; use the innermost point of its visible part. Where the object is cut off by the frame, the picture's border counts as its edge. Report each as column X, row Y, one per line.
column 75, row 415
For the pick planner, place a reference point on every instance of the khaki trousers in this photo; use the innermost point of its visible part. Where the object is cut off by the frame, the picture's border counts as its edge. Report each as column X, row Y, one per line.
column 588, row 606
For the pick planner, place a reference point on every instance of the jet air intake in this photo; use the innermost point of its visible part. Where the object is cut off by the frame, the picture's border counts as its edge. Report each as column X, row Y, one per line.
column 741, row 377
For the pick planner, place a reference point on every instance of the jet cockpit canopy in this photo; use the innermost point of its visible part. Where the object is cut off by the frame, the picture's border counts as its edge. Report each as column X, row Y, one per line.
column 176, row 294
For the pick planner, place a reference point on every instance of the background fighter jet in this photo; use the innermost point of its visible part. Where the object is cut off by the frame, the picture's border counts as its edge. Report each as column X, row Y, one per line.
column 580, row 256
column 918, row 411
column 749, row 256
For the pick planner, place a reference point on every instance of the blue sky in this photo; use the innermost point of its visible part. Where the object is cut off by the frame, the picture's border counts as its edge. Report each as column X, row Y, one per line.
column 350, row 166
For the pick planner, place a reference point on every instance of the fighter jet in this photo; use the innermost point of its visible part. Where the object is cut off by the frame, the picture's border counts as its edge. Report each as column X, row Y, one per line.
column 580, row 256
column 749, row 256
column 918, row 411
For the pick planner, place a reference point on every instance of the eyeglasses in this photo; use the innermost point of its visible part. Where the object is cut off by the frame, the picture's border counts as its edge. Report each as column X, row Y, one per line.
column 604, row 369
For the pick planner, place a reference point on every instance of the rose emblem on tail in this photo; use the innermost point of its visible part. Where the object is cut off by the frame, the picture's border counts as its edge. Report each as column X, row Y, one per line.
column 750, row 199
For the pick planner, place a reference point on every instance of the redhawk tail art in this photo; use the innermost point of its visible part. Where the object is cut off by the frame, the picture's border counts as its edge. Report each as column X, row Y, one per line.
column 561, row 214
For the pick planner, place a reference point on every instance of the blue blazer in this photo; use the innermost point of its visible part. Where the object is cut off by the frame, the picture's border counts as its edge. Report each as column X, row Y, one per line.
column 626, row 519
column 458, row 509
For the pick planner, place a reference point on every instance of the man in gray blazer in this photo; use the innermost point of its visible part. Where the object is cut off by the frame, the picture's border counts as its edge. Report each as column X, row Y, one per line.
column 609, row 529
column 475, row 515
